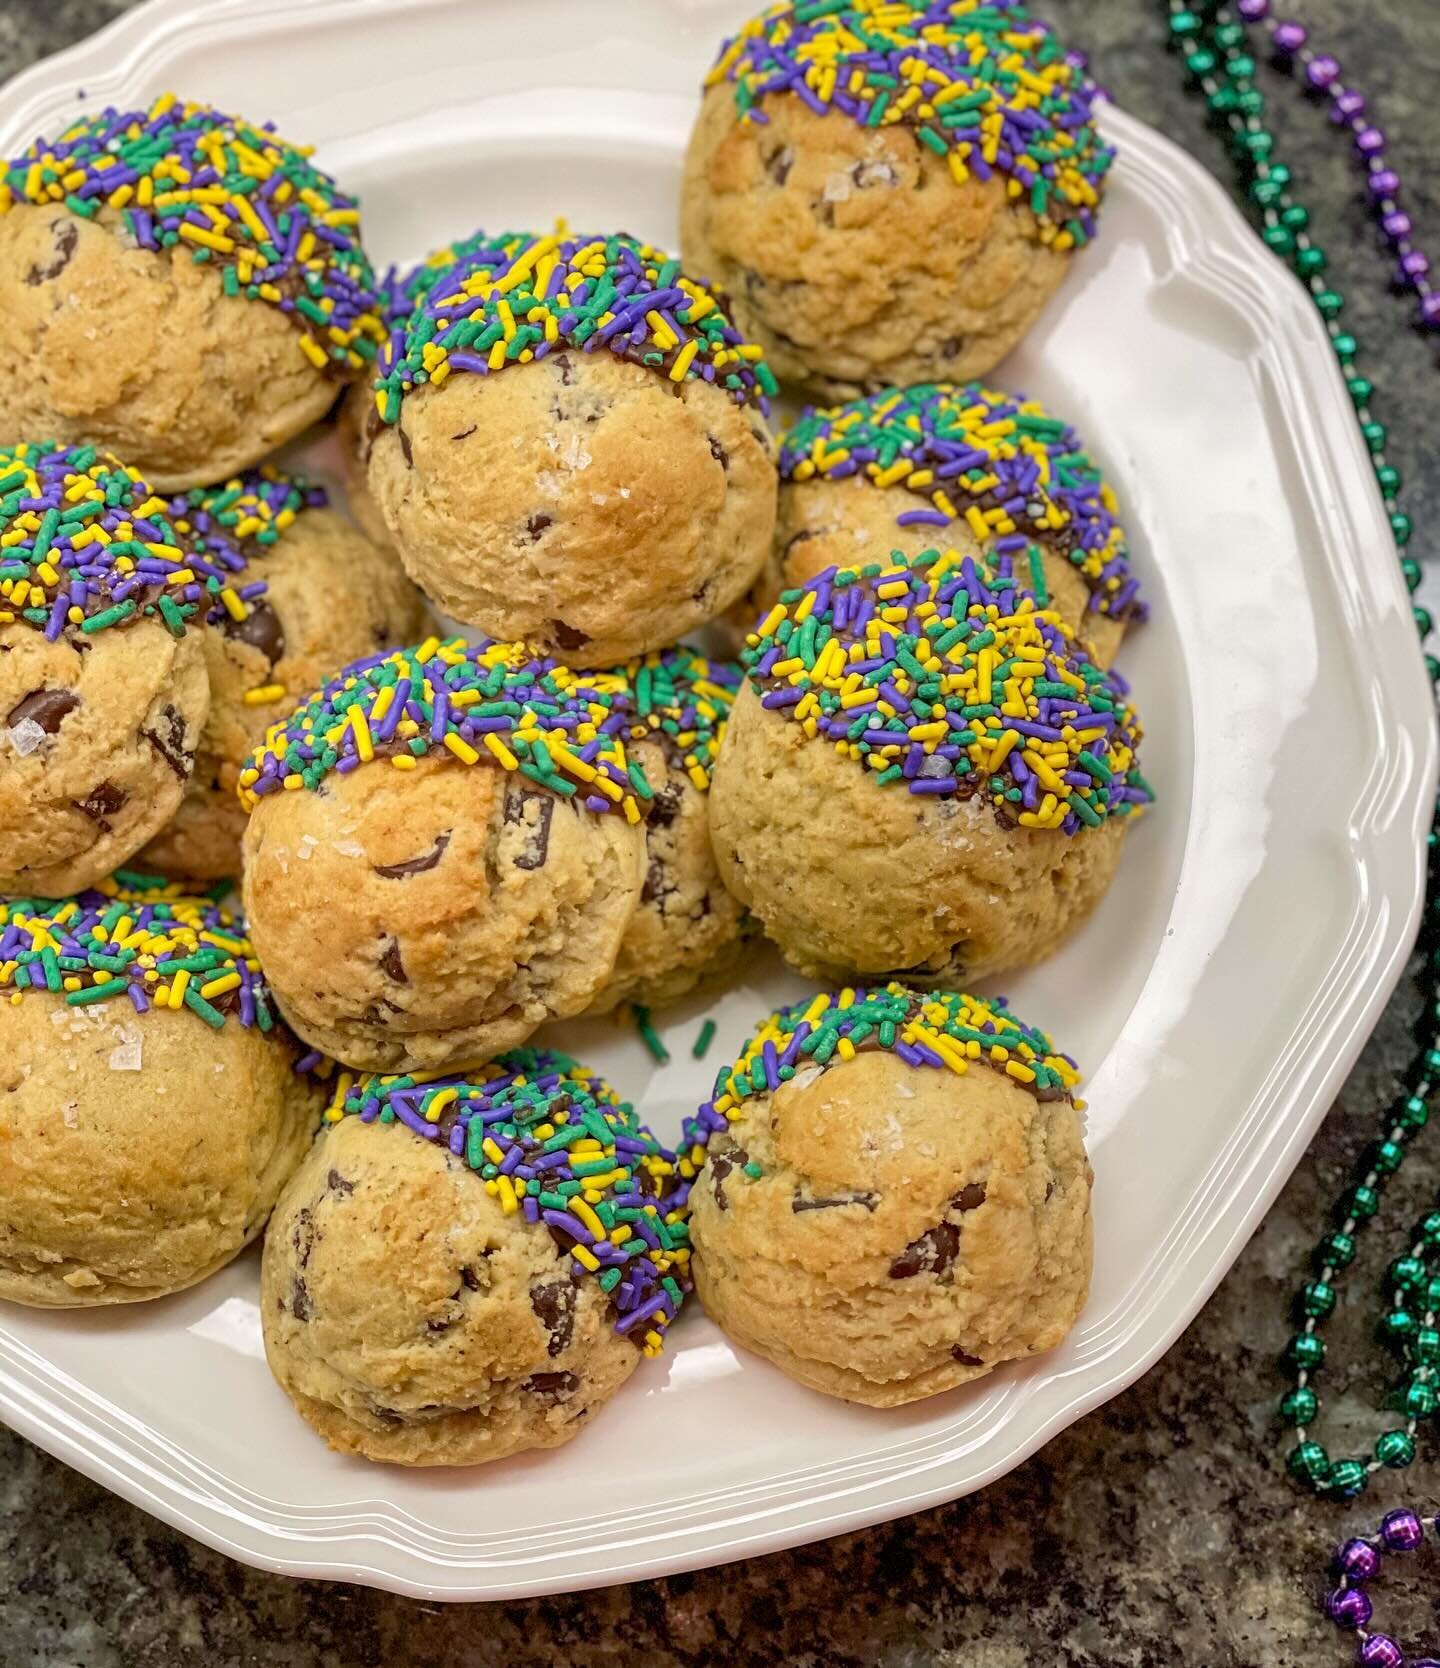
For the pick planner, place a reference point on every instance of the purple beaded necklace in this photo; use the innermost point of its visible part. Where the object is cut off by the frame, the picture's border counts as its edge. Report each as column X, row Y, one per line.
column 1350, row 108
column 1216, row 47
column 1357, row 1563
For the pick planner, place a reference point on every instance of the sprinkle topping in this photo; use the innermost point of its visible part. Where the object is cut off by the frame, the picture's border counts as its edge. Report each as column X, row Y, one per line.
column 497, row 703
column 401, row 288
column 85, row 543
column 999, row 462
column 554, row 1143
column 227, row 527
column 944, row 1030
column 502, row 704
column 680, row 697
column 517, row 297
column 233, row 194
column 980, row 82
column 947, row 677
column 141, row 938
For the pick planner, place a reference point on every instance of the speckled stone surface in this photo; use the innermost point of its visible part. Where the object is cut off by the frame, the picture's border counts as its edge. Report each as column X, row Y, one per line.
column 1159, row 1531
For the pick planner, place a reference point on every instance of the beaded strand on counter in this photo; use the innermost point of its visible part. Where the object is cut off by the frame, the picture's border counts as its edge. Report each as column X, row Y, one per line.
column 1217, row 52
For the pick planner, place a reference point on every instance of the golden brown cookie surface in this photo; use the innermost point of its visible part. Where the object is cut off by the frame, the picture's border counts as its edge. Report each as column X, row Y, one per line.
column 883, row 1230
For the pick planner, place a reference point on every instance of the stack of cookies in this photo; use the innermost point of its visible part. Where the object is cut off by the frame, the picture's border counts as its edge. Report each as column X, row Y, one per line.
column 472, row 773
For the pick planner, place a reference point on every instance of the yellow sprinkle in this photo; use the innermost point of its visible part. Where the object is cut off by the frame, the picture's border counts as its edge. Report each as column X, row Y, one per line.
column 440, row 1101
column 360, row 728
column 494, row 744
column 459, row 747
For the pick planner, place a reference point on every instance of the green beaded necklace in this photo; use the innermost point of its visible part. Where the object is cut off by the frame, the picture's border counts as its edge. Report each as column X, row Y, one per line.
column 1216, row 48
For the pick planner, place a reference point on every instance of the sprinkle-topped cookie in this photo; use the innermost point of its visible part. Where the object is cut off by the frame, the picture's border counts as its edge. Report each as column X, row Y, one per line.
column 999, row 462
column 496, row 703
column 980, row 82
column 943, row 1030
column 517, row 297
column 141, row 938
column 85, row 543
column 234, row 194
column 556, row 1145
column 946, row 677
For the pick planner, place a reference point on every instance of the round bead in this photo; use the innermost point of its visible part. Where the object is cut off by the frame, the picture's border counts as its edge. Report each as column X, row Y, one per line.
column 1406, row 1273
column 1241, row 66
column 1184, row 23
column 1299, row 1406
column 1254, row 11
column 1201, row 62
column 1361, row 389
column 1309, row 262
column 1397, row 1449
column 1331, row 303
column 1336, row 1248
column 1383, row 183
column 1348, row 1607
column 1379, row 1650
column 1296, row 217
column 1308, row 1462
column 1388, row 1157
column 1347, row 1478
column 1429, row 1226
column 1347, row 105
column 1370, row 141
column 1414, row 263
column 1375, row 435
column 1432, row 668
column 1250, row 101
column 1289, row 37
column 1278, row 238
column 1229, row 35
column 1317, row 1299
column 1402, row 1531
column 1429, row 310
column 1397, row 225
column 1362, row 1203
column 1402, row 527
column 1397, row 1326
column 1426, row 1347
column 1222, row 101
column 1413, row 573
column 1432, row 1293
column 1419, row 1400
column 1322, row 71
column 1358, row 1559
column 1423, row 621
column 1306, row 1350
column 1389, row 478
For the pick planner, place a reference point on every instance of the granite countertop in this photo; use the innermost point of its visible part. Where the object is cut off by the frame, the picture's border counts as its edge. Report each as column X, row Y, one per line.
column 1161, row 1529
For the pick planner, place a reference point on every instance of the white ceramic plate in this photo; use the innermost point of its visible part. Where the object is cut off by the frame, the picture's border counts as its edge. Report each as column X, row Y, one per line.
column 1216, row 1001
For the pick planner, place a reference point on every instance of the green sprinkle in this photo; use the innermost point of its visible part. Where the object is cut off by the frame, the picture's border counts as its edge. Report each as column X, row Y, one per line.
column 97, row 993
column 649, row 1036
